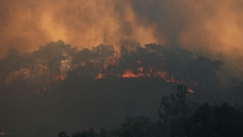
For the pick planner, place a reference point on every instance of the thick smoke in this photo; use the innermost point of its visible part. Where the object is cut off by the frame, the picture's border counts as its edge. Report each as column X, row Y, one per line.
column 213, row 25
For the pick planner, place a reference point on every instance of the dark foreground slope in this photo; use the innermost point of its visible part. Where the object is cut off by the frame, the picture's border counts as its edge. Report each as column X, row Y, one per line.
column 80, row 103
column 107, row 102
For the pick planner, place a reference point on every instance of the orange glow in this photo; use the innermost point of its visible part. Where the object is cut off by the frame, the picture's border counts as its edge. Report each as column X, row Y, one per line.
column 190, row 90
column 129, row 74
column 2, row 133
column 62, row 77
column 81, row 23
column 99, row 76
column 140, row 69
column 163, row 75
column 110, row 61
column 213, row 25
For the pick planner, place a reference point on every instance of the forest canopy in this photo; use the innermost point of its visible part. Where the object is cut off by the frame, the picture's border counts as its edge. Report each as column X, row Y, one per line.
column 58, row 60
column 62, row 88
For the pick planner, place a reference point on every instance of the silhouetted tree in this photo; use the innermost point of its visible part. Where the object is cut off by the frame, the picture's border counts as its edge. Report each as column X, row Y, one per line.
column 12, row 62
column 140, row 126
column 91, row 62
column 203, row 71
column 63, row 134
column 84, row 133
column 30, row 62
column 82, row 57
column 216, row 120
column 4, row 70
column 152, row 58
column 104, row 133
column 176, row 62
column 53, row 53
column 175, row 112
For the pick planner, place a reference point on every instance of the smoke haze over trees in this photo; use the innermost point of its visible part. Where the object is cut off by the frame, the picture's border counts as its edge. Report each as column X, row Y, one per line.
column 57, row 60
column 212, row 25
column 71, row 65
column 61, row 88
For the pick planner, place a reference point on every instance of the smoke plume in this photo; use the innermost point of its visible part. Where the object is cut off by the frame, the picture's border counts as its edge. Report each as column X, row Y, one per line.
column 213, row 25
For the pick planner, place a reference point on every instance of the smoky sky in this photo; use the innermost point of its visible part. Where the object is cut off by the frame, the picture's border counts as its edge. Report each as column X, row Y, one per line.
column 213, row 25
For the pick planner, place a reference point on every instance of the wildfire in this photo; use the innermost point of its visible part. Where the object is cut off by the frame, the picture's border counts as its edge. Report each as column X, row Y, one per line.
column 62, row 77
column 129, row 74
column 140, row 69
column 43, row 88
column 99, row 76
column 168, row 77
column 190, row 90
column 111, row 60
column 164, row 75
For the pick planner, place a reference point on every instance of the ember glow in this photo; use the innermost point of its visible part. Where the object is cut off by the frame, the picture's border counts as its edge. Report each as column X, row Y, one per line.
column 4, row 133
column 99, row 76
column 161, row 74
column 42, row 89
column 129, row 74
column 190, row 90
column 62, row 77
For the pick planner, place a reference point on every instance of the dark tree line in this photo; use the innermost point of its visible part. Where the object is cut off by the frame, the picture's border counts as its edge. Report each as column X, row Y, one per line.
column 32, row 89
column 148, row 61
column 179, row 117
column 232, row 68
column 57, row 60
column 48, row 57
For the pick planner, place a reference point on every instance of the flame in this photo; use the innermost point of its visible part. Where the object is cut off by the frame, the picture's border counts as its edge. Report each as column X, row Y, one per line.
column 140, row 69
column 164, row 75
column 99, row 76
column 62, row 77
column 190, row 90
column 161, row 74
column 129, row 74
column 167, row 76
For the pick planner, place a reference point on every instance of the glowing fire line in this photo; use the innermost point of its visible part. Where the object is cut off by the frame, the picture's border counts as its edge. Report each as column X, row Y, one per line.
column 161, row 74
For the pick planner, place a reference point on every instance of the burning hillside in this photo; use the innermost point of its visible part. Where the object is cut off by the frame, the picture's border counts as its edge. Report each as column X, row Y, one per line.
column 57, row 61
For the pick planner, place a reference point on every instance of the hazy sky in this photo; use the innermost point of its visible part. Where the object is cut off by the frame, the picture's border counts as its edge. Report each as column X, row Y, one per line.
column 212, row 24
